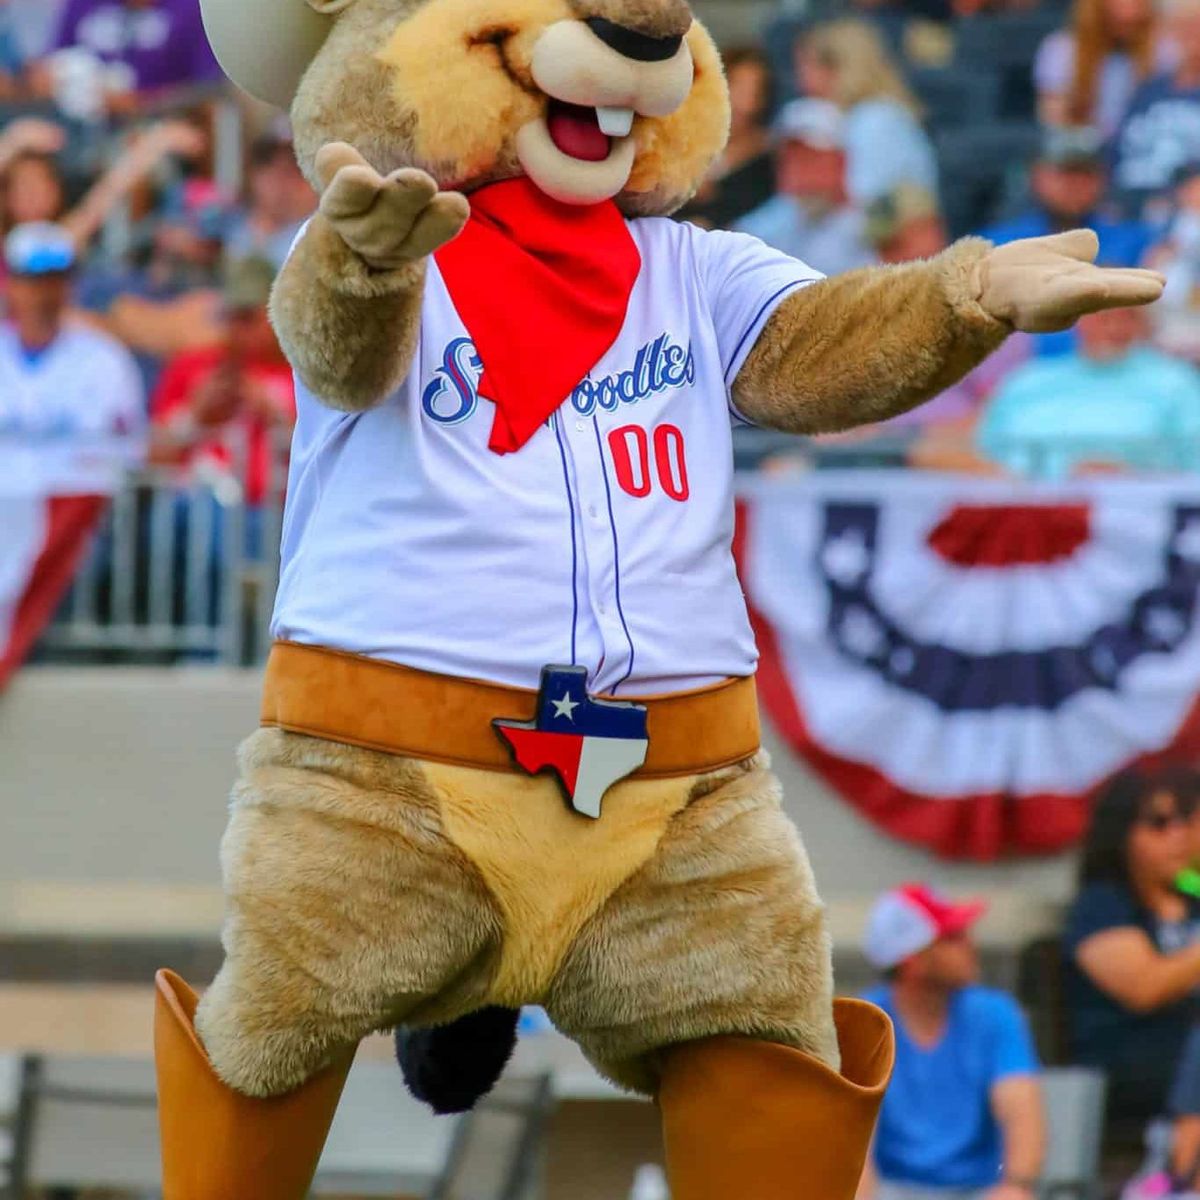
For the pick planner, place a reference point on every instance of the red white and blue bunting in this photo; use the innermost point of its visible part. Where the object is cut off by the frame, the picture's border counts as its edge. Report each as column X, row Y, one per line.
column 53, row 493
column 967, row 661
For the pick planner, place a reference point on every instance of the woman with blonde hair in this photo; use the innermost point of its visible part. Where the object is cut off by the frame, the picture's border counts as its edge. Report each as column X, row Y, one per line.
column 846, row 61
column 1087, row 73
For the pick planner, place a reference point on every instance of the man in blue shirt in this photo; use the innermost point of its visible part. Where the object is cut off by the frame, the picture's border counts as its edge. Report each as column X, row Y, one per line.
column 1067, row 184
column 962, row 1118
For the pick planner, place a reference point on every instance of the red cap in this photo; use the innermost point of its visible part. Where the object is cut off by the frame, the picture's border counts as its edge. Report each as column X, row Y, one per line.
column 909, row 919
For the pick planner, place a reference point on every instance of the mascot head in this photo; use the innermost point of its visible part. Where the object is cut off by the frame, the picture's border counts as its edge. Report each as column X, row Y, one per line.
column 592, row 99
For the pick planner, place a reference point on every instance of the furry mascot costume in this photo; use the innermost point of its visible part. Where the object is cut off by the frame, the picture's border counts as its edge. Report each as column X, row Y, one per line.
column 516, row 385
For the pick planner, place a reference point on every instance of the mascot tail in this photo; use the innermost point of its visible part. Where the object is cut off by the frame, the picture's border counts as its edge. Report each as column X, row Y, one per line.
column 450, row 1067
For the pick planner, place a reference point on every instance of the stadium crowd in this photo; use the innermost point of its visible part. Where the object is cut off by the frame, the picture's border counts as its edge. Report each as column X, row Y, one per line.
column 872, row 133
column 845, row 150
column 144, row 210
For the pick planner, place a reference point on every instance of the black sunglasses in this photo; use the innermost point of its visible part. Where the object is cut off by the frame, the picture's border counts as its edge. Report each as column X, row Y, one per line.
column 1160, row 822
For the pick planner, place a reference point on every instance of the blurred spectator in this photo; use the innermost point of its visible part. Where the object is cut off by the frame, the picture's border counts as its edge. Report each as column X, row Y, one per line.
column 1087, row 73
column 1114, row 403
column 945, row 427
column 35, row 23
column 742, row 177
column 962, row 1117
column 1067, row 185
column 1161, row 130
column 59, row 380
column 12, row 55
column 171, row 301
column 32, row 187
column 229, row 403
column 279, row 201
column 906, row 224
column 810, row 217
column 846, row 62
column 145, row 45
column 1183, row 1107
column 1176, row 317
column 1132, row 943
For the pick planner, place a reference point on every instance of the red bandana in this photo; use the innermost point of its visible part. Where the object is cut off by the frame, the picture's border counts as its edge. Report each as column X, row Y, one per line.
column 542, row 288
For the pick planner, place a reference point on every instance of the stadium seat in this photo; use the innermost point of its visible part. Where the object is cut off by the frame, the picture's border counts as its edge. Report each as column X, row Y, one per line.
column 1007, row 42
column 1041, row 989
column 1074, row 1099
column 495, row 1149
column 981, row 168
column 954, row 97
column 85, row 1122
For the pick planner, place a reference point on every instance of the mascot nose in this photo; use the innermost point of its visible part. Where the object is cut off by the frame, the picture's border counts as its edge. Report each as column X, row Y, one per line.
column 632, row 43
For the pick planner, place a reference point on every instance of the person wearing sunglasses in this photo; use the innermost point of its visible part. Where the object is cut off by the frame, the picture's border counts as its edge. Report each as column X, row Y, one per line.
column 1132, row 943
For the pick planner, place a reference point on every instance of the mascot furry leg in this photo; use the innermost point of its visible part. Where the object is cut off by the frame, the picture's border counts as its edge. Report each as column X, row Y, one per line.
column 515, row 377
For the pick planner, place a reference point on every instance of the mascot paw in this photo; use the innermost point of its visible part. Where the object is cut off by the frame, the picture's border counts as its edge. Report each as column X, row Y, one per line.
column 450, row 1067
column 387, row 220
column 1045, row 284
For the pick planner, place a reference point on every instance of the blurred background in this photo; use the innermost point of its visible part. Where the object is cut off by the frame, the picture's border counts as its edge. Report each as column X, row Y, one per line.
column 974, row 618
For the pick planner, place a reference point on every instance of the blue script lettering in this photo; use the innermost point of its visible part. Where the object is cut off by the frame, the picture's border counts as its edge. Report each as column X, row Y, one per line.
column 660, row 365
column 453, row 393
column 452, row 396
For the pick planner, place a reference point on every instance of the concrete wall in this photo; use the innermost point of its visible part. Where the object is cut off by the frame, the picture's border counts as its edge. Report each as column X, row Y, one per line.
column 113, row 785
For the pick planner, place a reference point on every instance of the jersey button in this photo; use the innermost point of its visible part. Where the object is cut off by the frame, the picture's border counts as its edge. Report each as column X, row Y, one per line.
column 593, row 512
column 580, row 426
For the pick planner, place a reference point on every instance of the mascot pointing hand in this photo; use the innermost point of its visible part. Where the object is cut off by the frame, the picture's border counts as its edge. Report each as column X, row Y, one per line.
column 509, row 750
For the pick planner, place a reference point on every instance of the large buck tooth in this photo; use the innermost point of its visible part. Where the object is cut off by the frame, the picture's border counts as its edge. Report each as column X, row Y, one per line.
column 616, row 122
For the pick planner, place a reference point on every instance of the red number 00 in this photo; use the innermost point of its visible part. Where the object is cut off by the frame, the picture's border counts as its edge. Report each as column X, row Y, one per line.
column 630, row 449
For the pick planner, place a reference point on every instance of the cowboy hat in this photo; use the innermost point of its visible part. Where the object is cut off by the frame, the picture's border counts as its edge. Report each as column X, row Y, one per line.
column 265, row 46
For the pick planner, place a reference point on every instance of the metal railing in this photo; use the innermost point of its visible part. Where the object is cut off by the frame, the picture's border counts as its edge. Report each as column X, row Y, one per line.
column 181, row 568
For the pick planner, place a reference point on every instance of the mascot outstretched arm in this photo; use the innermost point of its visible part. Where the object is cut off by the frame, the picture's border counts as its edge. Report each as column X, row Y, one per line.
column 509, row 750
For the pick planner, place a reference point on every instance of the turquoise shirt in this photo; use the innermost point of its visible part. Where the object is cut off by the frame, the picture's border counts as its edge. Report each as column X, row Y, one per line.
column 1053, row 414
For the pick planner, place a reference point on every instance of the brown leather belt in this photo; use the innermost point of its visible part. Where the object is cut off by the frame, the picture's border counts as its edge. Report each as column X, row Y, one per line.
column 400, row 710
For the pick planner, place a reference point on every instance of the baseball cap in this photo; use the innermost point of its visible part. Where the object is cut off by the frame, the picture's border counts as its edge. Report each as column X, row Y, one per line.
column 888, row 214
column 39, row 248
column 1072, row 146
column 909, row 919
column 817, row 123
column 246, row 283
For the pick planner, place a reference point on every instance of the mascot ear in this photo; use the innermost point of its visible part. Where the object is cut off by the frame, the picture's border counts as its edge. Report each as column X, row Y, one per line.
column 265, row 46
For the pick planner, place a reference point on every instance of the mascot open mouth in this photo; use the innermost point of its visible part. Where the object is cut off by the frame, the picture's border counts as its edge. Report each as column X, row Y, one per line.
column 586, row 133
column 581, row 148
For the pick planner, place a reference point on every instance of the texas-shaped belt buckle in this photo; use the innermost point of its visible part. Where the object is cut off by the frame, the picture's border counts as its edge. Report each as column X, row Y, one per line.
column 585, row 743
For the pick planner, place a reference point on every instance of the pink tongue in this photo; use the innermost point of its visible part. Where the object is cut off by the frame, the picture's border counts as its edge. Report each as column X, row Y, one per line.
column 578, row 135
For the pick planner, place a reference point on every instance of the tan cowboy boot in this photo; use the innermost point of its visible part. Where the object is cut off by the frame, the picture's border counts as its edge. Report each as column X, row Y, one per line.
column 218, row 1144
column 749, row 1120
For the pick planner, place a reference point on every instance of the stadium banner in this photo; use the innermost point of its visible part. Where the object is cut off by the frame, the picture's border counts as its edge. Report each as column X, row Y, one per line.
column 965, row 661
column 53, row 493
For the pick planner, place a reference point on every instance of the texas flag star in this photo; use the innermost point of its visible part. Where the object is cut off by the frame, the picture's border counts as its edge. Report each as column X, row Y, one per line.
column 606, row 741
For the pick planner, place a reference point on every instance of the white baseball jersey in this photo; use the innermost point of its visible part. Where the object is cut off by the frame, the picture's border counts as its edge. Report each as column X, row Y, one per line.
column 72, row 417
column 605, row 541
